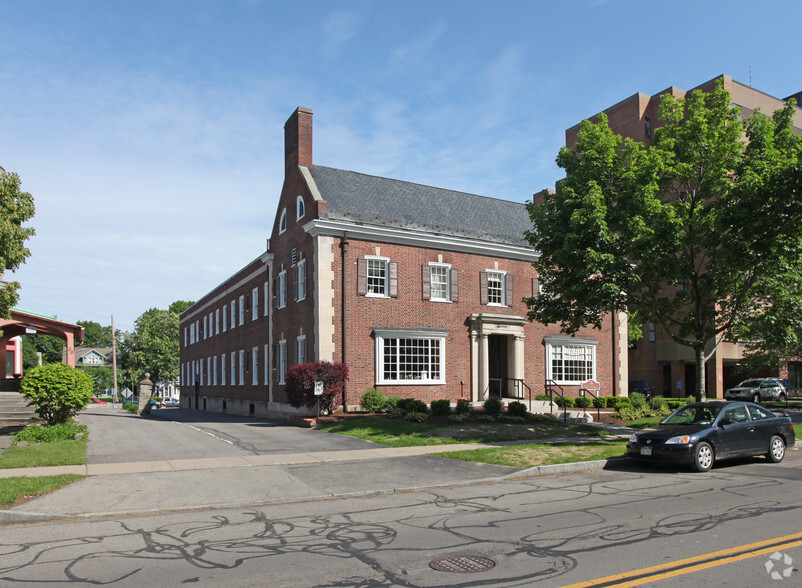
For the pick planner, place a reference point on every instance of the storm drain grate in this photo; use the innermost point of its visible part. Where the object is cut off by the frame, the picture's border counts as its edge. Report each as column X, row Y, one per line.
column 462, row 564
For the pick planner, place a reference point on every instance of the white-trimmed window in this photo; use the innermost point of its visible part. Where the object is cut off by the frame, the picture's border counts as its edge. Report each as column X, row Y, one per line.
column 440, row 283
column 282, row 223
column 208, row 371
column 267, row 297
column 233, row 368
column 223, row 368
column 217, row 322
column 377, row 276
column 241, row 367
column 267, row 364
column 200, row 372
column 225, row 317
column 495, row 288
column 186, row 336
column 255, row 304
column 410, row 357
column 282, row 289
column 282, row 361
column 214, row 368
column 242, row 309
column 233, row 313
column 300, row 208
column 300, row 349
column 570, row 360
column 254, row 366
column 300, row 280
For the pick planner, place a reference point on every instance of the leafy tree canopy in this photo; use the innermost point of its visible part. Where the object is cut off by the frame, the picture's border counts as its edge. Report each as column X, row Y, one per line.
column 180, row 306
column 16, row 208
column 701, row 232
column 95, row 334
column 154, row 345
column 57, row 392
column 48, row 345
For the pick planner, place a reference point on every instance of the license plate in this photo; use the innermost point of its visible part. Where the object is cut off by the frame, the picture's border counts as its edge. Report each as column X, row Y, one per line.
column 645, row 450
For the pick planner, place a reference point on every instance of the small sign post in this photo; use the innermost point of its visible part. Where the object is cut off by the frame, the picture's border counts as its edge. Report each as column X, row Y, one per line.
column 318, row 393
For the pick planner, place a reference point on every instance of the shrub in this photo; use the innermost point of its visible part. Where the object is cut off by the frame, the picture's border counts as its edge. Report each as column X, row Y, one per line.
column 582, row 402
column 658, row 403
column 675, row 404
column 301, row 380
column 131, row 407
column 618, row 402
column 392, row 402
column 543, row 397
column 563, row 402
column 411, row 405
column 600, row 402
column 637, row 400
column 57, row 391
column 629, row 413
column 493, row 406
column 463, row 406
column 373, row 400
column 459, row 417
column 441, row 407
column 516, row 409
column 40, row 434
column 415, row 417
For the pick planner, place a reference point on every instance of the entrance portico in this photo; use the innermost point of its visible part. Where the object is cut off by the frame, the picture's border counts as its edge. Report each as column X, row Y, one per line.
column 497, row 356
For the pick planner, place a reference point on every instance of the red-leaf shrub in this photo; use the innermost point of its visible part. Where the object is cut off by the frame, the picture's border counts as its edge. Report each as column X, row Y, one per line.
column 301, row 380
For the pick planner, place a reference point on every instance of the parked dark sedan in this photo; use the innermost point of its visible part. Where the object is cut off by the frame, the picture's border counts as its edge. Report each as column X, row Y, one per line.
column 699, row 434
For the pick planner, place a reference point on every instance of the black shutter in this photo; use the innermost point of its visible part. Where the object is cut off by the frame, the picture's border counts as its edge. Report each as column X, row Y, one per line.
column 426, row 282
column 483, row 287
column 454, row 285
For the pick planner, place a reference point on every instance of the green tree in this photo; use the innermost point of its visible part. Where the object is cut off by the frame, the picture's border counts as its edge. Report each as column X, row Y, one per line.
column 697, row 232
column 48, row 345
column 154, row 345
column 180, row 306
column 57, row 391
column 16, row 208
column 95, row 334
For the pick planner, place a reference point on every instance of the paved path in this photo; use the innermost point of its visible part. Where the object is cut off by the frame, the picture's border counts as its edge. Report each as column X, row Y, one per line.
column 256, row 477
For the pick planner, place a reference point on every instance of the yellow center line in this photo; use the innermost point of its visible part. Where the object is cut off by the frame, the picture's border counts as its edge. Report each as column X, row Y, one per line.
column 693, row 564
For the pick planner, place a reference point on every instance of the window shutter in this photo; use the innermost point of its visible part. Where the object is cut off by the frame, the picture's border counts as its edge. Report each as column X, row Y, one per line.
column 535, row 287
column 361, row 276
column 393, row 268
column 508, row 290
column 454, row 285
column 426, row 282
column 483, row 287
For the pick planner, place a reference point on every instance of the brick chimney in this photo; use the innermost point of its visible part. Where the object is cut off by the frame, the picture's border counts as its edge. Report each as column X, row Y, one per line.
column 298, row 140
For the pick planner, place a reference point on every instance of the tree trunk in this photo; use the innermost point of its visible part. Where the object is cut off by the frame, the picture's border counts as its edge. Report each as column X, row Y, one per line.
column 699, row 352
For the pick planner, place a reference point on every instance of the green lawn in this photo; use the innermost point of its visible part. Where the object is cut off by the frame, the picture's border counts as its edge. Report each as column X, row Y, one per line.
column 536, row 454
column 16, row 490
column 400, row 433
column 44, row 454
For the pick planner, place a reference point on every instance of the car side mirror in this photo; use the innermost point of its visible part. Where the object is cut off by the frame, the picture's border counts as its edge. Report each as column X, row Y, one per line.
column 723, row 422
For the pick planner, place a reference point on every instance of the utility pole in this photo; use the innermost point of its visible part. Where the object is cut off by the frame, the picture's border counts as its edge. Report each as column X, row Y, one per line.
column 113, row 360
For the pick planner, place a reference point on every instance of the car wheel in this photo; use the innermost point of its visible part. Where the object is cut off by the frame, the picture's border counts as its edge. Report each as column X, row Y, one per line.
column 781, row 397
column 776, row 449
column 703, row 457
column 756, row 398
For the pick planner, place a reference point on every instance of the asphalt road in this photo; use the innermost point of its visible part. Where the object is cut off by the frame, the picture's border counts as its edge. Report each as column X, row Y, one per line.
column 548, row 531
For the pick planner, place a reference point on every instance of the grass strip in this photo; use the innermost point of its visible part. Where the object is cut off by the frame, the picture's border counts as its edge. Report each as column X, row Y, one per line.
column 400, row 433
column 56, row 453
column 14, row 491
column 536, row 454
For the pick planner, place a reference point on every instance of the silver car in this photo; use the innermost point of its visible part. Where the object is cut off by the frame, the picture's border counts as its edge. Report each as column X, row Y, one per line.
column 757, row 390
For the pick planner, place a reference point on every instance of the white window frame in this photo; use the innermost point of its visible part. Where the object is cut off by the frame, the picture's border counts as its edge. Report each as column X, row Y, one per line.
column 267, row 364
column 266, row 310
column 225, row 317
column 208, row 371
column 223, row 369
column 558, row 346
column 233, row 313
column 301, row 284
column 436, row 338
column 254, row 304
column 214, row 367
column 241, row 367
column 282, row 289
column 300, row 208
column 375, row 260
column 254, row 365
column 242, row 309
column 282, row 361
column 300, row 349
column 282, row 222
column 233, row 368
column 217, row 322
column 447, row 269
column 502, row 277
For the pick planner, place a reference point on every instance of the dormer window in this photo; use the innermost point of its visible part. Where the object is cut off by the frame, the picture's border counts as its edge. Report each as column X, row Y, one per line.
column 282, row 223
column 300, row 208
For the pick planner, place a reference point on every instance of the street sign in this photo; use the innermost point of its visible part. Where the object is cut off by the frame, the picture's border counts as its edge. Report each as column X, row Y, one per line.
column 318, row 388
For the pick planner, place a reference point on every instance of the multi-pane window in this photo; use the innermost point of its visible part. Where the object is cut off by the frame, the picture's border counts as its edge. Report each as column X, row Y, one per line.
column 377, row 277
column 300, row 209
column 282, row 361
column 282, row 290
column 410, row 360
column 571, row 363
column 439, row 275
column 300, row 280
column 495, row 288
column 300, row 349
column 242, row 309
column 255, row 304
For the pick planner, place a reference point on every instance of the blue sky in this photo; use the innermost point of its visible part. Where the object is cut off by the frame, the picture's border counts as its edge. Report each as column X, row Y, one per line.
column 150, row 133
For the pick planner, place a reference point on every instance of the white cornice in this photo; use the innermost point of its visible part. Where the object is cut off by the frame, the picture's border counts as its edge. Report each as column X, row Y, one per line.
column 337, row 228
column 266, row 258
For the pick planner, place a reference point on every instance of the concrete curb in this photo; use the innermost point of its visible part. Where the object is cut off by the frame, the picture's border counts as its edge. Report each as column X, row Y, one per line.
column 12, row 517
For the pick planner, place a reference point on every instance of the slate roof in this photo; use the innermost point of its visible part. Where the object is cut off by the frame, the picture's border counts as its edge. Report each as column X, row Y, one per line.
column 372, row 200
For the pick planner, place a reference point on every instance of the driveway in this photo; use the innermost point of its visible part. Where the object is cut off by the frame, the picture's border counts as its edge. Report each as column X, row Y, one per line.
column 117, row 436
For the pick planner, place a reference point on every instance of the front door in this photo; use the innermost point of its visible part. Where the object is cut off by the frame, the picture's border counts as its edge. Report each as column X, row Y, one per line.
column 497, row 364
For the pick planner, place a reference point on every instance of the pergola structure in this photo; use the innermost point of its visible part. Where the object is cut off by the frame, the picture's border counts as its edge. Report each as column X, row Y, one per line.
column 26, row 322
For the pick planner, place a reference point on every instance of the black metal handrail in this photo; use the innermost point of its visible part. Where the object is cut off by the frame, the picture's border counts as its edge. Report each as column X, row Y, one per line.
column 518, row 385
column 583, row 392
column 550, row 386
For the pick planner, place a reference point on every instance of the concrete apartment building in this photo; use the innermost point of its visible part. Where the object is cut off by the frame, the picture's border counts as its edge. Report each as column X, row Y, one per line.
column 668, row 366
column 418, row 290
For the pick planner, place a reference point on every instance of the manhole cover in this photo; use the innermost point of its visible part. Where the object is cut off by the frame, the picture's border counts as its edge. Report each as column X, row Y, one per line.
column 462, row 564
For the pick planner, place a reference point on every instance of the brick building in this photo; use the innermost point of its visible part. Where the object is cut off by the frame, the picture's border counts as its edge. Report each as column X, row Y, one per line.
column 668, row 366
column 418, row 290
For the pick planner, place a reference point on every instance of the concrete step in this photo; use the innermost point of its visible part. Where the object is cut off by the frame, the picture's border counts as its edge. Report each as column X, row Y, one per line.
column 14, row 410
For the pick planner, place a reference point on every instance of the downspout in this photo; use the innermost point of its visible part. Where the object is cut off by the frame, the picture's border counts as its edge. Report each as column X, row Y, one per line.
column 344, row 307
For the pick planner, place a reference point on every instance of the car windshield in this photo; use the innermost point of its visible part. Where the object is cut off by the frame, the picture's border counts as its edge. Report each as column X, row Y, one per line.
column 693, row 415
column 750, row 384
